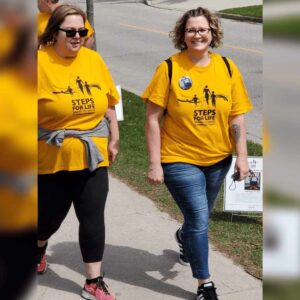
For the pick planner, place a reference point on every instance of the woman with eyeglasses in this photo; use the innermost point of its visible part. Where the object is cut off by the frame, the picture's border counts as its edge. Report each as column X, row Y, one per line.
column 202, row 100
column 78, row 137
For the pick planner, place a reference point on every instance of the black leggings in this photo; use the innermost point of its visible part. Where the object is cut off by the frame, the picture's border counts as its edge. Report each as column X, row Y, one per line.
column 87, row 191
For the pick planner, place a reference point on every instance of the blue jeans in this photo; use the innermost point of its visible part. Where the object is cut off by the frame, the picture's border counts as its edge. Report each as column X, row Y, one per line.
column 195, row 188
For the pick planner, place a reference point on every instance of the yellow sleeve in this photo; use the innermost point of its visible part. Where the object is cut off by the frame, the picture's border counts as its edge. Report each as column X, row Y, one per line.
column 42, row 22
column 113, row 95
column 42, row 77
column 89, row 27
column 241, row 102
column 157, row 90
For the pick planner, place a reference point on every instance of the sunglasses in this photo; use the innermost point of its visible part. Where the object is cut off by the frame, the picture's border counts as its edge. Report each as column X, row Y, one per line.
column 72, row 32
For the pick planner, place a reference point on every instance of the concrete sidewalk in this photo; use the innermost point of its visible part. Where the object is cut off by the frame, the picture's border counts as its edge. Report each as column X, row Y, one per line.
column 141, row 257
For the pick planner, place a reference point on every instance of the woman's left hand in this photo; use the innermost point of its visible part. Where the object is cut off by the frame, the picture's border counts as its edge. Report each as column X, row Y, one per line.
column 113, row 150
column 242, row 166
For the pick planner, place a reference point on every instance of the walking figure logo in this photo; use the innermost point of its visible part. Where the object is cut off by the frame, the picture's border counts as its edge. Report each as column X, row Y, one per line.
column 79, row 87
column 209, row 96
column 205, row 112
column 206, row 94
column 81, row 95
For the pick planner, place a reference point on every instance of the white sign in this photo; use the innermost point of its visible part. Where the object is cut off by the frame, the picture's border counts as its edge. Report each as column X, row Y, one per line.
column 281, row 243
column 119, row 106
column 246, row 195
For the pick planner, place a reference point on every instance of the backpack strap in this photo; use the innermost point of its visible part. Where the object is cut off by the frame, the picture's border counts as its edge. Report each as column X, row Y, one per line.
column 170, row 68
column 170, row 71
column 227, row 65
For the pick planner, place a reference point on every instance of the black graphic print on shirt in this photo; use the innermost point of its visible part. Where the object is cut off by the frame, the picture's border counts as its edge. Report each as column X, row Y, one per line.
column 205, row 106
column 81, row 95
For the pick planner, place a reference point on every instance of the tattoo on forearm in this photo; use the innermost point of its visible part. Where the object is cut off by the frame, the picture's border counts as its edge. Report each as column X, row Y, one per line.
column 236, row 132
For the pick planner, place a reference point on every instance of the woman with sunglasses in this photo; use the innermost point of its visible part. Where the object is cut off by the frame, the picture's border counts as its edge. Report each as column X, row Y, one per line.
column 78, row 136
column 46, row 7
column 203, row 100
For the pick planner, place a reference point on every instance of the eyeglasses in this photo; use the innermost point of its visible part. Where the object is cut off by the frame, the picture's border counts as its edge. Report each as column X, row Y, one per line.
column 194, row 31
column 72, row 32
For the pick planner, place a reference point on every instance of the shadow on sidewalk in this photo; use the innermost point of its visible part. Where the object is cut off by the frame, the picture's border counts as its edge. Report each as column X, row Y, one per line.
column 124, row 264
column 53, row 280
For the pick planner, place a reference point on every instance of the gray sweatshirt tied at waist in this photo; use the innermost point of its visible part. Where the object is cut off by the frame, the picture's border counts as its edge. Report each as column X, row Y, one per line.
column 56, row 137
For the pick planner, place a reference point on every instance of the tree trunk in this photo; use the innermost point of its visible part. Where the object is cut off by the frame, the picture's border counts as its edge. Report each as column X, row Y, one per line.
column 90, row 16
column 90, row 11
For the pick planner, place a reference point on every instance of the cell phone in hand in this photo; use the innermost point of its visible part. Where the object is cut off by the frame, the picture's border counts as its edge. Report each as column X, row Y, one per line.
column 235, row 176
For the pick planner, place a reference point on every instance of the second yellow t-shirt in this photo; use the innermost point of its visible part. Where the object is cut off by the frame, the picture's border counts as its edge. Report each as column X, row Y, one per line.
column 199, row 102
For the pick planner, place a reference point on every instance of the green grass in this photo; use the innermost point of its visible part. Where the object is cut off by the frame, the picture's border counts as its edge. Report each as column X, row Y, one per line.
column 281, row 289
column 239, row 238
column 248, row 11
column 284, row 27
column 277, row 198
column 254, row 149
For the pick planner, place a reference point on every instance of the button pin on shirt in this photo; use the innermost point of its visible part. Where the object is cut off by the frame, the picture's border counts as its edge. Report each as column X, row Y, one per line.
column 185, row 83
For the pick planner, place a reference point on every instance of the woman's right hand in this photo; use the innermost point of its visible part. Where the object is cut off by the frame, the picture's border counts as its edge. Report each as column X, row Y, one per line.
column 155, row 174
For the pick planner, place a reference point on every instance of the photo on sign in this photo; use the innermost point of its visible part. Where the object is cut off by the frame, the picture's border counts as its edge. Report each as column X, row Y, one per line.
column 252, row 182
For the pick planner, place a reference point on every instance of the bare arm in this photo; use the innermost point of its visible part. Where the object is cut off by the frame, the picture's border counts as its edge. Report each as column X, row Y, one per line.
column 113, row 145
column 89, row 42
column 238, row 133
column 153, row 117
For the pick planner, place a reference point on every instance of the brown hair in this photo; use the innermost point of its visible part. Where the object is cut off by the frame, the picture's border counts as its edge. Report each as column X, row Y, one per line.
column 56, row 19
column 177, row 35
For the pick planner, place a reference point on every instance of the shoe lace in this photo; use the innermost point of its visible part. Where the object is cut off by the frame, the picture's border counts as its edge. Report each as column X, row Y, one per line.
column 103, row 286
column 207, row 294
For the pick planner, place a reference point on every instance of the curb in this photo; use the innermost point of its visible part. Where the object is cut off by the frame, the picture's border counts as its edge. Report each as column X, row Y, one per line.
column 240, row 18
column 220, row 14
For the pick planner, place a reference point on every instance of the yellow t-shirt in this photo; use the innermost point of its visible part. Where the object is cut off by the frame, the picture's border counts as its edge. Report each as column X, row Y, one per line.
column 18, row 132
column 199, row 103
column 7, row 36
column 73, row 94
column 43, row 18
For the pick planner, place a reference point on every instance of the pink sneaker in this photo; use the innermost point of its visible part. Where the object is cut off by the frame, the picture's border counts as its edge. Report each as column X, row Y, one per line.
column 97, row 291
column 42, row 265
